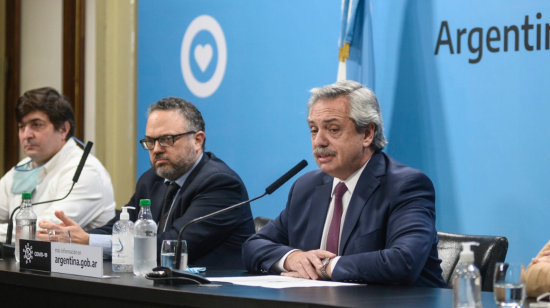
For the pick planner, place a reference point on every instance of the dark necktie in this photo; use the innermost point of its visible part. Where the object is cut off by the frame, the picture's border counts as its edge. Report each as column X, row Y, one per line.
column 168, row 199
column 334, row 230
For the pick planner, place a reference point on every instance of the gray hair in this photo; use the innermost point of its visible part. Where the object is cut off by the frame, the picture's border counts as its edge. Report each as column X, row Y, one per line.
column 363, row 106
column 191, row 114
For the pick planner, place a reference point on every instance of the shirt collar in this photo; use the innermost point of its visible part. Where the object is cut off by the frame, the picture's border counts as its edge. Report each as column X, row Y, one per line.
column 184, row 177
column 59, row 156
column 351, row 181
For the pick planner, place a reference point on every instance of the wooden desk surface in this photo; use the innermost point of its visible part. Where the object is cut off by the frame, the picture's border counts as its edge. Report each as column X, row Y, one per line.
column 40, row 289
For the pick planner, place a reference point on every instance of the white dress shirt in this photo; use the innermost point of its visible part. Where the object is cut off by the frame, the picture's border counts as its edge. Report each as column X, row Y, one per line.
column 91, row 203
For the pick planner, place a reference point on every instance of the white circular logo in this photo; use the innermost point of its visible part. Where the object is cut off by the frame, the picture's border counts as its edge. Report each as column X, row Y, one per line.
column 203, row 55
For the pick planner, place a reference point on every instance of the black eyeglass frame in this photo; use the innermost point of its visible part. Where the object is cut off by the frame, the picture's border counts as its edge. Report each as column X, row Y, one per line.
column 145, row 141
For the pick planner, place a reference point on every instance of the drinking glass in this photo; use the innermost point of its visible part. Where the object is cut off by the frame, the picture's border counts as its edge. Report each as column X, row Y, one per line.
column 168, row 254
column 61, row 236
column 508, row 289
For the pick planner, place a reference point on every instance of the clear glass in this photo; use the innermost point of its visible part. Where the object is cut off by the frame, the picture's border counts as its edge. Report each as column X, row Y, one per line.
column 25, row 225
column 168, row 254
column 61, row 236
column 145, row 242
column 507, row 288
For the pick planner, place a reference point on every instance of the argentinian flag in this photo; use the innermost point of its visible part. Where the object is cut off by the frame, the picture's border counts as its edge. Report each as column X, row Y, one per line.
column 356, row 56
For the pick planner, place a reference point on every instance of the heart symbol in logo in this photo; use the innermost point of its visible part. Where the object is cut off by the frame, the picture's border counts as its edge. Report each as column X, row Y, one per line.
column 203, row 55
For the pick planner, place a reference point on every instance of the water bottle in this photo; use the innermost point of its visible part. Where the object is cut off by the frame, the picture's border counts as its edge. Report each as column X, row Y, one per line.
column 467, row 280
column 123, row 243
column 25, row 223
column 145, row 240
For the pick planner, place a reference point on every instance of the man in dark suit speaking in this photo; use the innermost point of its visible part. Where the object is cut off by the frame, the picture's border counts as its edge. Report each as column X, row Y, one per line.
column 184, row 183
column 363, row 216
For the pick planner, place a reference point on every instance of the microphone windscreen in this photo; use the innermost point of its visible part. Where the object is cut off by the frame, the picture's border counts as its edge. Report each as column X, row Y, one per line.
column 87, row 150
column 292, row 172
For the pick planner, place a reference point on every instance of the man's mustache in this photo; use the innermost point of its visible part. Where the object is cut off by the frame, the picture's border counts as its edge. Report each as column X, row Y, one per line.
column 160, row 156
column 324, row 151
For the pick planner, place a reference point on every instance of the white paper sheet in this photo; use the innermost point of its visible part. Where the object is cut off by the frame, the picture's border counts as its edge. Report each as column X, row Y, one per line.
column 279, row 282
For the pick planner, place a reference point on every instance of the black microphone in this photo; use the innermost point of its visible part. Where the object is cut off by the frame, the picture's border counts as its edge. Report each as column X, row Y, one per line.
column 292, row 172
column 7, row 248
column 269, row 190
column 87, row 150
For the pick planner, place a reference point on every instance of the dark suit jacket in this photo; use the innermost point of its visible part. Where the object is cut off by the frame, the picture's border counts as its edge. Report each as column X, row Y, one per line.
column 211, row 186
column 388, row 236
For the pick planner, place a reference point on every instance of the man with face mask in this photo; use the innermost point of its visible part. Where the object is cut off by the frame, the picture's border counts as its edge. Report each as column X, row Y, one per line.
column 197, row 183
column 46, row 126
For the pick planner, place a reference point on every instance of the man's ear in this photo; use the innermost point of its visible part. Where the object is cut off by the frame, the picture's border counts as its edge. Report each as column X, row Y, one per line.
column 368, row 135
column 199, row 139
column 64, row 130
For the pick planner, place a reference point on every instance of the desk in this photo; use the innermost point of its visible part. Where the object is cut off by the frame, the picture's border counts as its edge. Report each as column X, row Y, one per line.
column 40, row 289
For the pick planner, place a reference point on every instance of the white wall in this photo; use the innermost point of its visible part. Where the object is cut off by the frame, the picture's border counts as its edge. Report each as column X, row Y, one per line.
column 41, row 44
column 90, row 69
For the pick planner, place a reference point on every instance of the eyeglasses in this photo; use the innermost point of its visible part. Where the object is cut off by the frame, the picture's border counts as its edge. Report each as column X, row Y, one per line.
column 164, row 140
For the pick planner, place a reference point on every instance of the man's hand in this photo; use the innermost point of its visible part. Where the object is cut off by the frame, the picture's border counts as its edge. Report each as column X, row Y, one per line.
column 544, row 257
column 306, row 264
column 78, row 235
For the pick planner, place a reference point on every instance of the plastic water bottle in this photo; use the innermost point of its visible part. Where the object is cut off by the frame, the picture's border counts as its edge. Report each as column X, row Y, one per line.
column 145, row 240
column 123, row 243
column 467, row 280
column 25, row 223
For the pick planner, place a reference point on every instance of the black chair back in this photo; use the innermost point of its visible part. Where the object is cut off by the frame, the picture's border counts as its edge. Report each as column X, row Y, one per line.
column 491, row 249
column 260, row 222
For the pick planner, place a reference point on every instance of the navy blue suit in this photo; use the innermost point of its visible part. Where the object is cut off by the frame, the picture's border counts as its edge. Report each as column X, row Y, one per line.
column 211, row 186
column 388, row 237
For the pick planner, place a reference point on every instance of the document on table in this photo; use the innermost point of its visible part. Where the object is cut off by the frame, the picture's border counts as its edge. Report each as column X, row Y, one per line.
column 279, row 282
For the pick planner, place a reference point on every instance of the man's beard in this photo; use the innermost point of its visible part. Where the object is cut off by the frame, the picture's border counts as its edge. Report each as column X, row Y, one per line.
column 176, row 166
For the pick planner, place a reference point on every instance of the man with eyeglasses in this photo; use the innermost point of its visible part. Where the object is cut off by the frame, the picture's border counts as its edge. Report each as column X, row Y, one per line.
column 184, row 183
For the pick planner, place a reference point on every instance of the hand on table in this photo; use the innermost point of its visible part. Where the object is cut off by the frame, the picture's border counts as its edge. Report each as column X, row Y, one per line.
column 306, row 264
column 544, row 257
column 78, row 235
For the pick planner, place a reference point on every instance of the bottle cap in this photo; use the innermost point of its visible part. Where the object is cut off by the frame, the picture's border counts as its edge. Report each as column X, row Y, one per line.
column 124, row 215
column 467, row 255
column 144, row 202
column 27, row 196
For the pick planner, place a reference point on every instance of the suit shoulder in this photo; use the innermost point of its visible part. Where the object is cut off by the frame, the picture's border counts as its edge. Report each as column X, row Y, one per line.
column 313, row 178
column 216, row 166
column 148, row 177
column 401, row 176
column 396, row 168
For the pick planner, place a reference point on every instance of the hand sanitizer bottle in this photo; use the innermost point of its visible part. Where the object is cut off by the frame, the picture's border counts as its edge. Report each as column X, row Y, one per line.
column 123, row 242
column 467, row 280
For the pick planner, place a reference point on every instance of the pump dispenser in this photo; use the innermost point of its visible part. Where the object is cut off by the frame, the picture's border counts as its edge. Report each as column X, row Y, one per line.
column 467, row 280
column 123, row 242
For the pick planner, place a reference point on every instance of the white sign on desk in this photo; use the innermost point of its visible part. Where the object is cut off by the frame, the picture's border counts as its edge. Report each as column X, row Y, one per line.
column 76, row 259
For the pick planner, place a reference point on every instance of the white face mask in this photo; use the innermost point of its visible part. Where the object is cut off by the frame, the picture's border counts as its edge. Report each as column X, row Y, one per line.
column 25, row 178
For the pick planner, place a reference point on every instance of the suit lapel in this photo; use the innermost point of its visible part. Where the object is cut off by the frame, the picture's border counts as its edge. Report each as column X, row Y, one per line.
column 367, row 184
column 157, row 198
column 318, row 210
column 184, row 189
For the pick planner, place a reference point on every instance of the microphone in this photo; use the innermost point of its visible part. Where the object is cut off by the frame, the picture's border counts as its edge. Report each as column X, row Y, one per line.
column 292, row 172
column 268, row 191
column 7, row 248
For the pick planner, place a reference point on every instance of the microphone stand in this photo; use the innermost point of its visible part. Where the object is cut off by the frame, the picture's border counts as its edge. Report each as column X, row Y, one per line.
column 177, row 276
column 7, row 249
column 269, row 190
column 178, row 243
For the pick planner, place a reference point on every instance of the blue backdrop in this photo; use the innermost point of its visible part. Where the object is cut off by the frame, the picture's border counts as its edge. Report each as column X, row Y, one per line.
column 477, row 129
